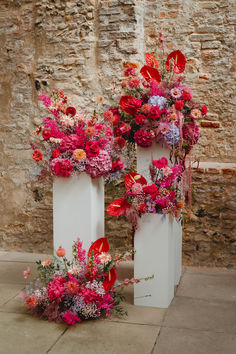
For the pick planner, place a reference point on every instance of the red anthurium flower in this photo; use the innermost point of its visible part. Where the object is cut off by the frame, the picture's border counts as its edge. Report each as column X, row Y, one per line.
column 151, row 60
column 150, row 74
column 99, row 246
column 179, row 61
column 130, row 104
column 118, row 207
column 133, row 177
column 110, row 279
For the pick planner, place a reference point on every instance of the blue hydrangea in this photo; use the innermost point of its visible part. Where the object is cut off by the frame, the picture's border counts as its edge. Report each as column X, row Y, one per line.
column 158, row 101
column 172, row 137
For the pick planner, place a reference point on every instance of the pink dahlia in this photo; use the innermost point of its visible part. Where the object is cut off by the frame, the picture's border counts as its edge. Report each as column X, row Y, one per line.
column 191, row 133
column 61, row 167
column 143, row 138
column 99, row 165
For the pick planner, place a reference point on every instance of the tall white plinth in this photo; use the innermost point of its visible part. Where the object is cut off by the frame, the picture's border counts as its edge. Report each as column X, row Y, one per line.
column 154, row 255
column 144, row 159
column 78, row 211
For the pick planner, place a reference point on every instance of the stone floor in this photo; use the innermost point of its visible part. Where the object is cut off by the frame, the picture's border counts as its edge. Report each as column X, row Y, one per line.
column 200, row 320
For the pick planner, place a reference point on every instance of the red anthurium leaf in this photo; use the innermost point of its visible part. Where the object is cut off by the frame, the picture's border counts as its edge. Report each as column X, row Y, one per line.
column 110, row 279
column 151, row 60
column 179, row 61
column 118, row 207
column 133, row 177
column 100, row 245
column 150, row 74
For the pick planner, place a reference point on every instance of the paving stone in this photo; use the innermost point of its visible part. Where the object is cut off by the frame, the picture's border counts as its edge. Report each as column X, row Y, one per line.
column 8, row 291
column 105, row 337
column 23, row 334
column 14, row 305
column 208, row 286
column 12, row 272
column 187, row 341
column 201, row 315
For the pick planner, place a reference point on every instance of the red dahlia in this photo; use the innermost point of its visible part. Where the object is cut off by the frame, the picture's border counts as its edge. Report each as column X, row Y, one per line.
column 37, row 155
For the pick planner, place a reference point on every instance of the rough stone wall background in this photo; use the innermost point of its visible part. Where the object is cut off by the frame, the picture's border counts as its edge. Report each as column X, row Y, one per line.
column 80, row 46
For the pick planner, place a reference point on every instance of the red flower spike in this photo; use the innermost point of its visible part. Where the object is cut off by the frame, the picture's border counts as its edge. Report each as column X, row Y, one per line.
column 99, row 246
column 110, row 279
column 151, row 60
column 150, row 74
column 179, row 61
column 118, row 207
column 133, row 177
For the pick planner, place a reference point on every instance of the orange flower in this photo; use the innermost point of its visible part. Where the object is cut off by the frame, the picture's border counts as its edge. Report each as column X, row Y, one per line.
column 46, row 262
column 61, row 252
column 132, row 65
column 79, row 155
column 179, row 205
column 89, row 131
column 31, row 301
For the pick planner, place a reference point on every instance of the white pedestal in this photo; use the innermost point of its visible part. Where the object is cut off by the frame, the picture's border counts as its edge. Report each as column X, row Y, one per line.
column 78, row 211
column 144, row 159
column 155, row 247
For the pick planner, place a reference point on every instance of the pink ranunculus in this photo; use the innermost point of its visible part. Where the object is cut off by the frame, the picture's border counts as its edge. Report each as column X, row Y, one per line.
column 162, row 162
column 92, row 148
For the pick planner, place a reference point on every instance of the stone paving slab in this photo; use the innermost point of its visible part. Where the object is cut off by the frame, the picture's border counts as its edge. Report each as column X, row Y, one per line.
column 8, row 292
column 105, row 337
column 216, row 286
column 201, row 314
column 22, row 257
column 12, row 272
column 23, row 334
column 187, row 341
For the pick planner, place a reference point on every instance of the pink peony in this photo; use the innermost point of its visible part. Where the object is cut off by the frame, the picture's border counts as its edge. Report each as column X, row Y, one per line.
column 61, row 167
column 143, row 138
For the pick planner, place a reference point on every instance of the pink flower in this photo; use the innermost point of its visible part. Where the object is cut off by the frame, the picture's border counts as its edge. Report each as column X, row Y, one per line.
column 117, row 165
column 155, row 113
column 162, row 162
column 72, row 287
column 72, row 142
column 186, row 95
column 146, row 108
column 56, row 288
column 204, row 110
column 26, row 273
column 195, row 113
column 70, row 318
column 164, row 128
column 126, row 281
column 92, row 148
column 143, row 138
column 62, row 168
column 134, row 82
column 136, row 189
column 130, row 71
column 108, row 115
column 125, row 128
column 31, row 301
column 175, row 93
column 191, row 133
column 119, row 141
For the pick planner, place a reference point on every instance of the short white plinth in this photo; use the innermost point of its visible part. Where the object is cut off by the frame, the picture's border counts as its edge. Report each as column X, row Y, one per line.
column 155, row 248
column 144, row 159
column 78, row 211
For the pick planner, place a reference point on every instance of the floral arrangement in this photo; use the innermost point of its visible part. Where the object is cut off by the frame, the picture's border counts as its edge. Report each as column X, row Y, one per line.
column 84, row 288
column 74, row 142
column 162, row 196
column 156, row 106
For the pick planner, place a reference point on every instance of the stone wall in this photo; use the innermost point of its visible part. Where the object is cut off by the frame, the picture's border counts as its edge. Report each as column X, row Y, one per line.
column 80, row 46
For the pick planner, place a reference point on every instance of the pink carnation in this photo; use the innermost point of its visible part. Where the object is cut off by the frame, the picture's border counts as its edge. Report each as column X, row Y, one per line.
column 61, row 167
column 143, row 138
column 70, row 318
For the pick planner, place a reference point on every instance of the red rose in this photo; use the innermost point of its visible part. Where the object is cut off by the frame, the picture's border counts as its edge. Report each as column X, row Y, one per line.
column 119, row 141
column 71, row 111
column 142, row 208
column 186, row 96
column 46, row 133
column 92, row 148
column 179, row 105
column 163, row 162
column 117, row 165
column 140, row 119
column 125, row 128
column 56, row 153
column 152, row 190
column 204, row 110
column 130, row 104
column 37, row 155
column 155, row 113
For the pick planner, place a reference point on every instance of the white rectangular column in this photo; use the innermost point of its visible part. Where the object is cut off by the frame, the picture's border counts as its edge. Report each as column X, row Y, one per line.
column 154, row 246
column 144, row 159
column 78, row 211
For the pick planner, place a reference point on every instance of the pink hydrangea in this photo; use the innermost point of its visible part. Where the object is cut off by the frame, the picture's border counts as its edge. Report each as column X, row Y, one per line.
column 100, row 165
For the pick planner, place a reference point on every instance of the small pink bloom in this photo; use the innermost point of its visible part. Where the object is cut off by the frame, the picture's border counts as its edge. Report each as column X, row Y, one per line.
column 126, row 281
column 26, row 272
column 195, row 113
